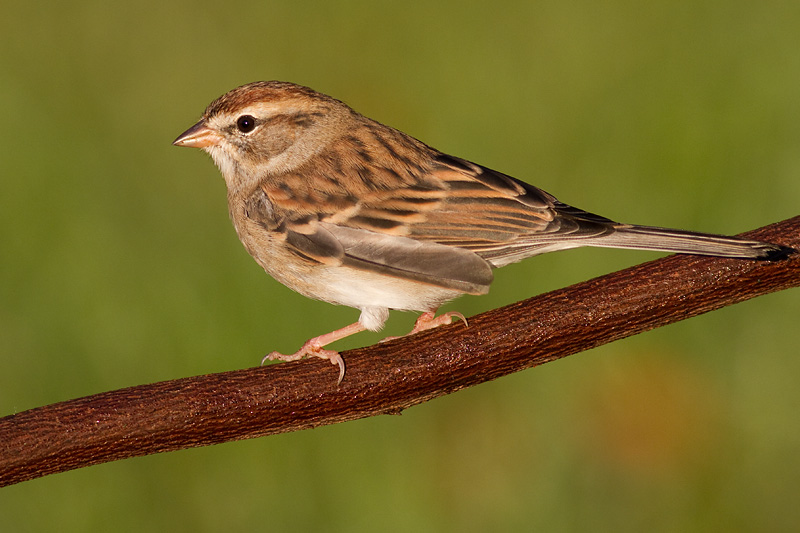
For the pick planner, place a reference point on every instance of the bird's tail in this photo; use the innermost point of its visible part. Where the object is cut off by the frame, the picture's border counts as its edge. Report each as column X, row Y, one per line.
column 688, row 242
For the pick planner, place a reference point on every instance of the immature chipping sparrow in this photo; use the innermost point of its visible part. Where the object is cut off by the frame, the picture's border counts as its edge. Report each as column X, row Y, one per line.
column 343, row 209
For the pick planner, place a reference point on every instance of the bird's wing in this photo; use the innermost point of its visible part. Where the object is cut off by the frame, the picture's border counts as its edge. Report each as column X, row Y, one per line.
column 347, row 238
column 436, row 219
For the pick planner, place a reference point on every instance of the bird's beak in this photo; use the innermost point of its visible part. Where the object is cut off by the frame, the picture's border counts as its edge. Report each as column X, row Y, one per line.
column 198, row 136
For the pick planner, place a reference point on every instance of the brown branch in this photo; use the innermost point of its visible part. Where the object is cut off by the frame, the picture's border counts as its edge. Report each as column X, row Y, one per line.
column 385, row 378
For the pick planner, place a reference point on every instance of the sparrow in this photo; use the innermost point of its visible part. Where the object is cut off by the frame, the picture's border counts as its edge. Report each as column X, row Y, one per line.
column 343, row 209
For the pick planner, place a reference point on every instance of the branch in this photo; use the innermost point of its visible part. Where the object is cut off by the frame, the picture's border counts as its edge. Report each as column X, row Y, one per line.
column 389, row 377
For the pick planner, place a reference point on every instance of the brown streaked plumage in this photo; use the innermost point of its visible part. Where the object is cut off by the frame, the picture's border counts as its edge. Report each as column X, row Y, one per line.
column 343, row 209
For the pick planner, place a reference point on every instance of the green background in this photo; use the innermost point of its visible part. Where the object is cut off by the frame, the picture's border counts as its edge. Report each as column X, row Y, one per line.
column 119, row 266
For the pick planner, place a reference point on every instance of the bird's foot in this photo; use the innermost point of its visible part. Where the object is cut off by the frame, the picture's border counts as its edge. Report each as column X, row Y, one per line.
column 429, row 320
column 315, row 348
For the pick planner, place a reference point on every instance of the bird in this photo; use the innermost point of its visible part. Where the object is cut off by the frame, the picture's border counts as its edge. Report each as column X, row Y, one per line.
column 343, row 209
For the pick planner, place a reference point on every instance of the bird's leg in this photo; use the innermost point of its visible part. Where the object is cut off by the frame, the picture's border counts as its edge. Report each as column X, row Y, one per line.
column 429, row 320
column 314, row 347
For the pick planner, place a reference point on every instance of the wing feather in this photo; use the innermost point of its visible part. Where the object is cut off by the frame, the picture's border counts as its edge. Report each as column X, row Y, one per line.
column 424, row 216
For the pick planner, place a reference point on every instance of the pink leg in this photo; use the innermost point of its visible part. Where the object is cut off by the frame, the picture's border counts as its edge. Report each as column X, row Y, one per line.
column 315, row 347
column 429, row 320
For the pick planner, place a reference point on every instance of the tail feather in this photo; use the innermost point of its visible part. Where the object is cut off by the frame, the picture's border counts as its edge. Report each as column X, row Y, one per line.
column 689, row 242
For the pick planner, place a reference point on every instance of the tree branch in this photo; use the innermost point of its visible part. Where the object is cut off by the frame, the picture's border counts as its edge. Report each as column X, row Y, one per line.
column 389, row 377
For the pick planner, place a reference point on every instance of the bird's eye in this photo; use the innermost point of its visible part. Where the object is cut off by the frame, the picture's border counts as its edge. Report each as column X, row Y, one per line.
column 246, row 123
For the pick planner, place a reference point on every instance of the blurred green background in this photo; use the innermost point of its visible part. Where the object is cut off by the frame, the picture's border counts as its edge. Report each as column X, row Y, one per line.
column 120, row 267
